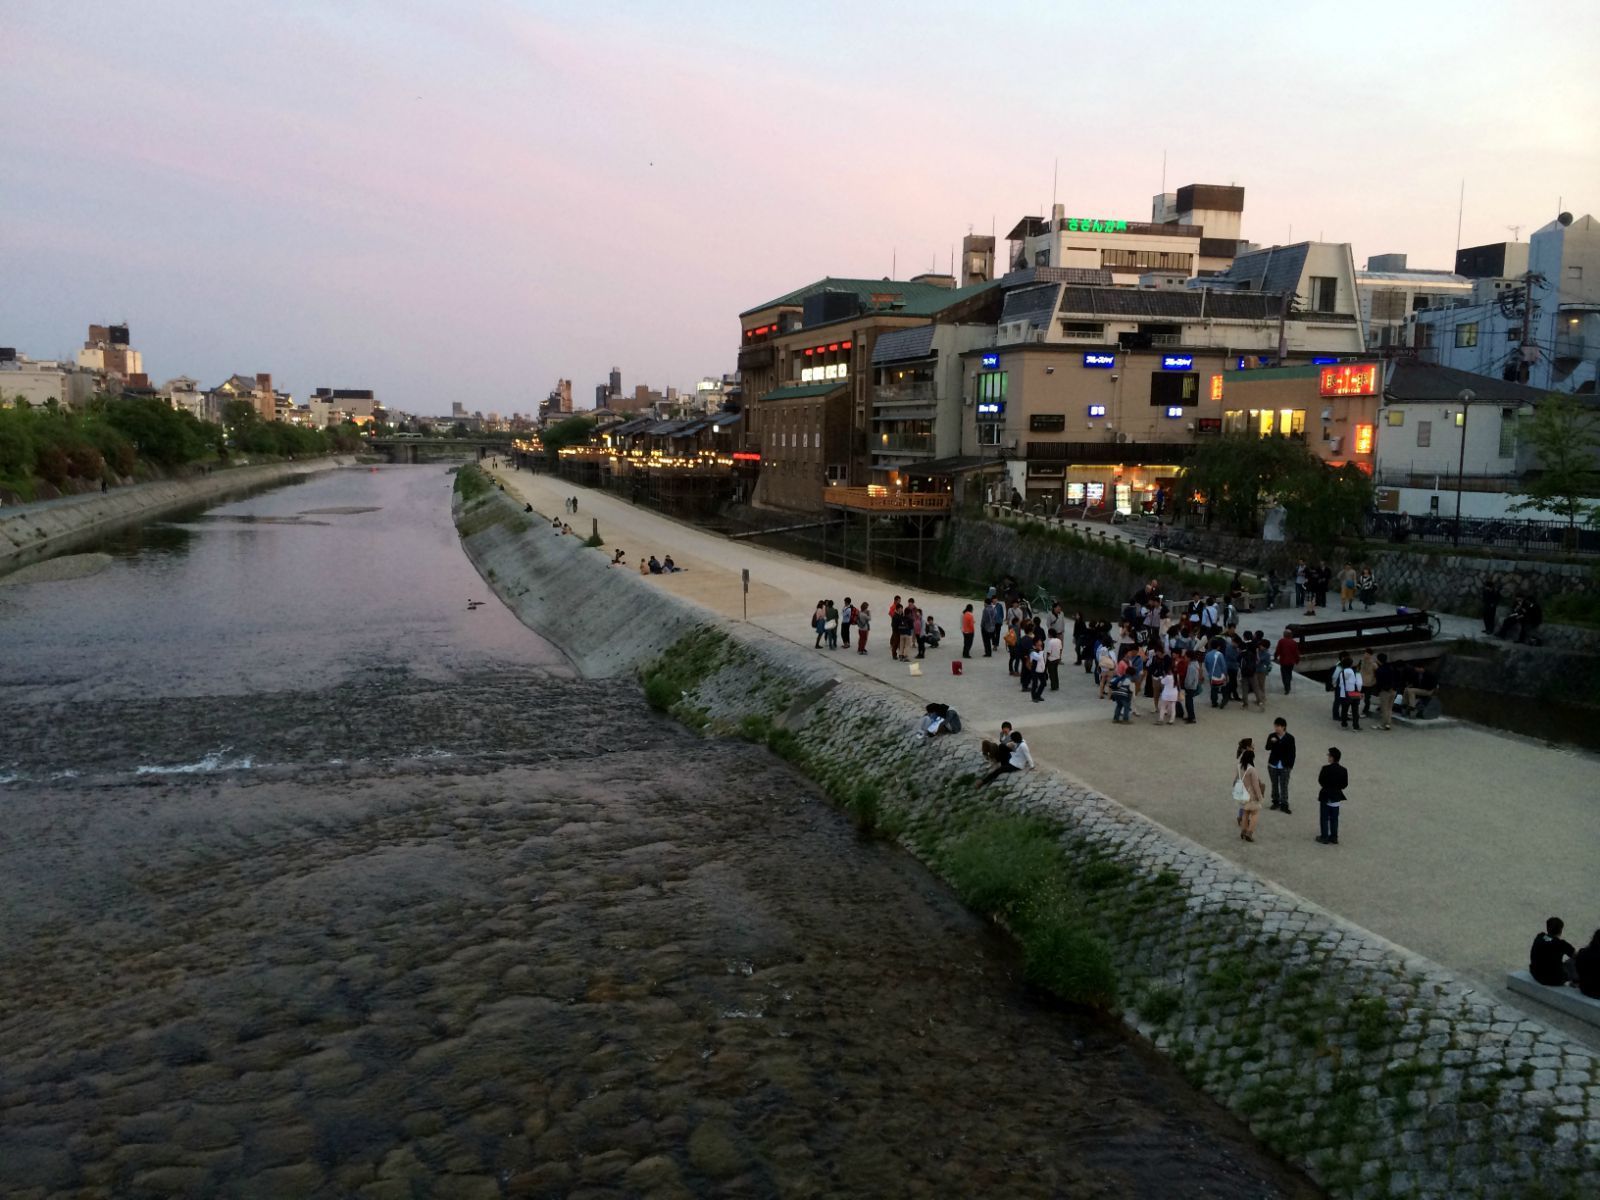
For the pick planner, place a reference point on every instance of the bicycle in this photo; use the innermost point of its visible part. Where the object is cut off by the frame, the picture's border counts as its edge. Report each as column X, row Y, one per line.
column 1042, row 600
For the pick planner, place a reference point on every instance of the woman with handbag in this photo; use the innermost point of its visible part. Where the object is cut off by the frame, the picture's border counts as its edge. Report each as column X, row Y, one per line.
column 1247, row 793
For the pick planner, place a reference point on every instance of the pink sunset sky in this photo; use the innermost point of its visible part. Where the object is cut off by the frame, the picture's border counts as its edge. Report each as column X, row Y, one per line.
column 464, row 201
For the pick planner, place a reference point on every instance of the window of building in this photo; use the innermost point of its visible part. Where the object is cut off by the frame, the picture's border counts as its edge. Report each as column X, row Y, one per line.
column 1146, row 260
column 1467, row 334
column 1423, row 337
column 1395, row 416
column 1388, row 304
column 1324, row 293
column 1234, row 421
column 992, row 388
column 988, row 433
column 1174, row 389
column 1508, row 433
column 1424, row 433
column 1575, row 274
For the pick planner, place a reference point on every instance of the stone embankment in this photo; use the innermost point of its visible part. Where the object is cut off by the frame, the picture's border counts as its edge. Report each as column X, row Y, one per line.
column 30, row 532
column 1376, row 1070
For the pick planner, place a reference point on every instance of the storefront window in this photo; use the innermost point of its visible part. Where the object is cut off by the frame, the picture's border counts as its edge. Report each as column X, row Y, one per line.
column 1124, row 498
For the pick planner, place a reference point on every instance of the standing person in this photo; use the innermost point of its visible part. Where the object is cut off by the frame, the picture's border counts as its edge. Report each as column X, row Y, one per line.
column 1056, row 623
column 919, row 628
column 1324, row 578
column 1369, row 680
column 1038, row 676
column 1489, row 603
column 1012, row 639
column 863, row 626
column 994, row 619
column 1347, row 694
column 968, row 628
column 1025, row 644
column 1169, row 697
column 1280, row 762
column 1367, row 587
column 1232, row 658
column 1250, row 810
column 1300, row 579
column 847, row 618
column 1260, row 664
column 1332, row 781
column 1054, row 648
column 1288, row 656
column 1193, row 679
column 1121, row 695
column 894, row 629
column 818, row 618
column 1217, row 673
column 830, row 625
column 1387, row 682
column 1347, row 589
column 574, row 505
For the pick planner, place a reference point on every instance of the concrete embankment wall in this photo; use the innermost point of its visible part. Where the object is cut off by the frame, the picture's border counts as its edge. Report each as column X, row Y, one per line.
column 32, row 532
column 1373, row 1068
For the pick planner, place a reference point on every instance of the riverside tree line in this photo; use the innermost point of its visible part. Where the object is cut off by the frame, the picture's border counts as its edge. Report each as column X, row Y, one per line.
column 49, row 450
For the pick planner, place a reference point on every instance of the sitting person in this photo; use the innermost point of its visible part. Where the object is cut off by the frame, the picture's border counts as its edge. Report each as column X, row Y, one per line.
column 655, row 565
column 527, row 508
column 937, row 719
column 565, row 529
column 997, row 751
column 555, row 523
column 1017, row 758
column 1423, row 684
column 1586, row 968
column 1551, row 959
column 616, row 559
column 668, row 565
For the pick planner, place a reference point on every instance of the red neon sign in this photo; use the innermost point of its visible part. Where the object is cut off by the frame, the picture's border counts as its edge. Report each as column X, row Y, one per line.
column 844, row 345
column 1350, row 379
column 745, row 456
column 810, row 352
column 835, row 346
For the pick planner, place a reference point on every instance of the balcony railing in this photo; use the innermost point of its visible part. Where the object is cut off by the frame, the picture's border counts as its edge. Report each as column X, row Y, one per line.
column 881, row 500
column 1083, row 335
column 1108, row 452
column 903, row 443
column 1166, row 339
column 920, row 392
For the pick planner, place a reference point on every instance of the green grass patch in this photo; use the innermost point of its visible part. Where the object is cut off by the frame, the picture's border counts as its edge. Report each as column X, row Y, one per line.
column 471, row 483
column 670, row 680
column 1371, row 1022
column 1004, row 863
column 1157, row 1004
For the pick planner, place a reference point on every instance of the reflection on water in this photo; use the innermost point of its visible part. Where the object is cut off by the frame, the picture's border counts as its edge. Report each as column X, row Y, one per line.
column 317, row 884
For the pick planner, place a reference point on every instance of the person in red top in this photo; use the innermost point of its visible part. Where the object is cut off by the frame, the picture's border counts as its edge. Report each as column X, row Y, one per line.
column 1287, row 654
column 969, row 626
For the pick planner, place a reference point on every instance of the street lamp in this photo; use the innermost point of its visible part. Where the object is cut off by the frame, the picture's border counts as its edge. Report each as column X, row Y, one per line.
column 1466, row 396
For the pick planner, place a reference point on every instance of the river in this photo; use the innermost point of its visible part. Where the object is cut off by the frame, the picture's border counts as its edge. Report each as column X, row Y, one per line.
column 316, row 882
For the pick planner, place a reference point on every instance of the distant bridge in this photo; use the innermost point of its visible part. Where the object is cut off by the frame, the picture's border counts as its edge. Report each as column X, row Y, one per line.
column 424, row 449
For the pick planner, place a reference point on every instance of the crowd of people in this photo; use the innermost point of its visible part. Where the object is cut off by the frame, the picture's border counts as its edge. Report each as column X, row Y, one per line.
column 1553, row 962
column 1313, row 582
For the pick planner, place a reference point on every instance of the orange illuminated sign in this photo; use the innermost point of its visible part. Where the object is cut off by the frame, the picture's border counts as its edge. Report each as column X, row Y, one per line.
column 1363, row 439
column 1216, row 387
column 1350, row 379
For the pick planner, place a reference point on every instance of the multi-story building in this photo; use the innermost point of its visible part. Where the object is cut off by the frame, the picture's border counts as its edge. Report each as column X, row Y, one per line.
column 1193, row 231
column 255, row 390
column 1544, row 332
column 807, row 375
column 335, row 406
column 1391, row 291
column 106, row 351
column 45, row 381
column 1093, row 393
column 185, row 395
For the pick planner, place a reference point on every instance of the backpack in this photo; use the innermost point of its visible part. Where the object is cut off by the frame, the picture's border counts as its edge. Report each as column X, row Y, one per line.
column 1010, row 638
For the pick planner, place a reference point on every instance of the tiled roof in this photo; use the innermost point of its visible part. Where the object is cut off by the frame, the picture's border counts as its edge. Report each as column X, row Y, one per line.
column 1030, row 303
column 912, row 299
column 898, row 345
column 1157, row 303
column 1274, row 269
column 803, row 391
column 1414, row 381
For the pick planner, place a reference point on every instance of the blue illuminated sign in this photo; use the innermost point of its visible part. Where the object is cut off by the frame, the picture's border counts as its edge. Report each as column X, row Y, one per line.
column 1324, row 362
column 1175, row 412
column 1100, row 360
column 991, row 361
column 1249, row 361
column 1097, row 410
column 1177, row 362
column 991, row 408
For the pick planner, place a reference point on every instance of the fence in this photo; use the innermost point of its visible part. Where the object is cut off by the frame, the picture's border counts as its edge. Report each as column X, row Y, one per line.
column 1534, row 537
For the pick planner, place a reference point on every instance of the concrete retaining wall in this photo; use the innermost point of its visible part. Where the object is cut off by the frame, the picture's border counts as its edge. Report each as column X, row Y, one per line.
column 34, row 531
column 1373, row 1068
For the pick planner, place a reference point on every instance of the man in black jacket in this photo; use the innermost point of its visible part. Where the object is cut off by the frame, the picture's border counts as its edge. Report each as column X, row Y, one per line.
column 1551, row 959
column 1489, row 602
column 1331, row 783
column 1280, row 761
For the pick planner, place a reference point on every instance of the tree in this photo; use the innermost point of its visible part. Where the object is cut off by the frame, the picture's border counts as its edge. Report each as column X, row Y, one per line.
column 570, row 431
column 1323, row 502
column 1239, row 474
column 1565, row 434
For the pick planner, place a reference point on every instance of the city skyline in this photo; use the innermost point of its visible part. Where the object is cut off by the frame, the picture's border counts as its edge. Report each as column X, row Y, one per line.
column 466, row 206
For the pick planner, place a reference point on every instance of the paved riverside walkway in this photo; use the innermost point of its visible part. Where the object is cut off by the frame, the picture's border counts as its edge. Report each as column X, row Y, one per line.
column 1456, row 841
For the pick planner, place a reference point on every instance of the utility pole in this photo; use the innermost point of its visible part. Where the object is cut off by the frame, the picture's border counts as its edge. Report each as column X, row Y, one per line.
column 1467, row 396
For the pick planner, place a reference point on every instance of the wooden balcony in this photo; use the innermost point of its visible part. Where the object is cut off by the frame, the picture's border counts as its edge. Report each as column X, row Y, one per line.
column 877, row 500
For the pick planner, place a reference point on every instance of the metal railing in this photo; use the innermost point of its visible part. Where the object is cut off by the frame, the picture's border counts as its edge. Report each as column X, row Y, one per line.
column 873, row 500
column 1535, row 537
column 898, row 393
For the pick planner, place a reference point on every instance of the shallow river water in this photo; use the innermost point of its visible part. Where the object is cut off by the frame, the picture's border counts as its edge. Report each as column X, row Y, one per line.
column 314, row 882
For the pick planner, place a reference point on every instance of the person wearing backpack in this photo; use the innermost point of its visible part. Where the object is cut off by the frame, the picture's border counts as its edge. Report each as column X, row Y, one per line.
column 847, row 618
column 1194, row 677
column 1347, row 694
column 1217, row 673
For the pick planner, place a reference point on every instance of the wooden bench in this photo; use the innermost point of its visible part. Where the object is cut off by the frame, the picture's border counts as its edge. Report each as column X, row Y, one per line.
column 1356, row 633
column 1567, row 999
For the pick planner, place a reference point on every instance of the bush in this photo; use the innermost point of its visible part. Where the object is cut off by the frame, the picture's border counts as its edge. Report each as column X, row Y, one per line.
column 1062, row 954
column 1004, row 863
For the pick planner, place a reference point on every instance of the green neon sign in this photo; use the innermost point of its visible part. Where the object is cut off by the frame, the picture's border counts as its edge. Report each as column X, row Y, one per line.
column 1087, row 225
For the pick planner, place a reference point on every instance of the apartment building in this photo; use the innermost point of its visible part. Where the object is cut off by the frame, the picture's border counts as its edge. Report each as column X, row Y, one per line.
column 1542, row 330
column 1390, row 291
